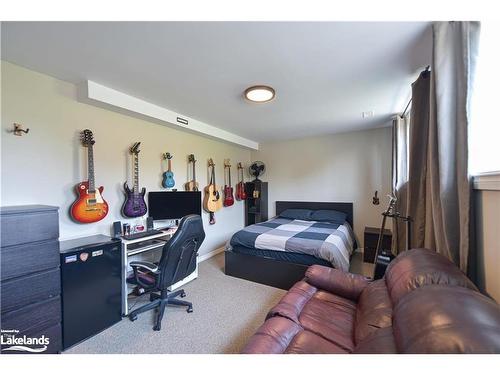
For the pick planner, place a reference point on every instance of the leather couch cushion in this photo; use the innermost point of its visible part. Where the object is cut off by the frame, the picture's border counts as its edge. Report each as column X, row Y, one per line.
column 280, row 335
column 374, row 311
column 320, row 313
column 418, row 267
column 445, row 319
column 380, row 341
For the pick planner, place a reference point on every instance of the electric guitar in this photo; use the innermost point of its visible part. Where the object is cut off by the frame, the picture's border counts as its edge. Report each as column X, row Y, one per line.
column 134, row 205
column 90, row 206
column 228, row 189
column 168, row 176
column 192, row 185
column 212, row 201
column 382, row 259
column 241, row 194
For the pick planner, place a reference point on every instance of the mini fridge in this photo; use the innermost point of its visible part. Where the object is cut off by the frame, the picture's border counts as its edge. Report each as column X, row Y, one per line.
column 91, row 286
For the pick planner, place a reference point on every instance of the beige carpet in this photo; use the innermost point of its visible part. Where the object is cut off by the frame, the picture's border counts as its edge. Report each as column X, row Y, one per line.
column 227, row 311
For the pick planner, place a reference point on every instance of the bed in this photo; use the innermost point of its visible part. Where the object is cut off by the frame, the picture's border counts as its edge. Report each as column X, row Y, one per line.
column 258, row 252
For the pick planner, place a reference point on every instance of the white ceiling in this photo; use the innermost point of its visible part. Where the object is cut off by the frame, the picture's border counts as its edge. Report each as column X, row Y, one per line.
column 325, row 73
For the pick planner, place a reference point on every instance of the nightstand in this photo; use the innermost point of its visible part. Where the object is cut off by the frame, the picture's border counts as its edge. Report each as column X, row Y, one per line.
column 371, row 239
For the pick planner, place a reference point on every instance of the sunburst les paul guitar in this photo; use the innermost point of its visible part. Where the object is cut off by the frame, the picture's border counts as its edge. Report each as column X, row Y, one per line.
column 90, row 206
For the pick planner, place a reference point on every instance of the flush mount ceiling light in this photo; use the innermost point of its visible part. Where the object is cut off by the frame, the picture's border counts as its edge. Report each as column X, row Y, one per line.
column 260, row 94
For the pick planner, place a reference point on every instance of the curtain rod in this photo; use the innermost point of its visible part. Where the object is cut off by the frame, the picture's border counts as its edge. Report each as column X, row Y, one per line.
column 409, row 102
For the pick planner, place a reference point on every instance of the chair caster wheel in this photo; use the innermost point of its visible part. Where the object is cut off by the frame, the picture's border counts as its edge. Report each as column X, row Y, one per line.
column 156, row 328
column 132, row 318
column 183, row 295
column 190, row 309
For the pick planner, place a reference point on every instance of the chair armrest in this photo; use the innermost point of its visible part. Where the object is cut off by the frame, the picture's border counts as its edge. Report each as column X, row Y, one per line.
column 344, row 284
column 146, row 265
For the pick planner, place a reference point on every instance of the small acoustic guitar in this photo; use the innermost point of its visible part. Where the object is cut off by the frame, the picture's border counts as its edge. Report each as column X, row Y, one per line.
column 134, row 205
column 241, row 194
column 228, row 189
column 168, row 176
column 90, row 206
column 212, row 201
column 192, row 185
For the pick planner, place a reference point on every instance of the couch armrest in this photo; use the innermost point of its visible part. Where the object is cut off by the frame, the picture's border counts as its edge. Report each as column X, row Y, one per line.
column 344, row 284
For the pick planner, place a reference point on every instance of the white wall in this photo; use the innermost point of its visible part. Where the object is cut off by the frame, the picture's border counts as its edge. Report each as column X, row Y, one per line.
column 345, row 167
column 487, row 204
column 43, row 166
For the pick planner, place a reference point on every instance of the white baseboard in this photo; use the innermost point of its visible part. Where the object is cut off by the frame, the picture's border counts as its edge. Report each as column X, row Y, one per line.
column 211, row 254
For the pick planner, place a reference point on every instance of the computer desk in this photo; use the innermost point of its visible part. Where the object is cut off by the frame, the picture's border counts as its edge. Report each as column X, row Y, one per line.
column 143, row 245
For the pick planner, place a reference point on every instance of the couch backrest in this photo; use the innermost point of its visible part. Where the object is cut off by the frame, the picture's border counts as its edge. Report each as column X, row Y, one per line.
column 373, row 311
column 419, row 267
column 446, row 319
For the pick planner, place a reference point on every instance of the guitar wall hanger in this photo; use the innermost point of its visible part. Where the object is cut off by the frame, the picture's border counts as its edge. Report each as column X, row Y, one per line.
column 18, row 130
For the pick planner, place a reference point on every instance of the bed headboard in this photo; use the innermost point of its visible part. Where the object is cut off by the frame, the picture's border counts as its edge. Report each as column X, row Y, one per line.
column 339, row 206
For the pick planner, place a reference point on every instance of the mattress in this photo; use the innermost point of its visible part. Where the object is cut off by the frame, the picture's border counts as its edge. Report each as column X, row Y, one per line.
column 286, row 256
column 331, row 242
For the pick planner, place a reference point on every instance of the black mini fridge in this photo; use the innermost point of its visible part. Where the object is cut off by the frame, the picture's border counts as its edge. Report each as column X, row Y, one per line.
column 91, row 286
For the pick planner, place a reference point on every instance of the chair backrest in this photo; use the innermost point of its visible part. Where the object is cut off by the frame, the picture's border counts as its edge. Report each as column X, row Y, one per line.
column 178, row 258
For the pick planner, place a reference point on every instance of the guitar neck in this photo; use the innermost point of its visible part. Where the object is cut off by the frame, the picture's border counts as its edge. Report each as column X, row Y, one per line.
column 229, row 176
column 90, row 156
column 194, row 171
column 136, row 173
column 169, row 165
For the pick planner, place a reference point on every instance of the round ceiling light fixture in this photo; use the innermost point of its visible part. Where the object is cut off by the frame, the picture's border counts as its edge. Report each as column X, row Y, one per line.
column 260, row 94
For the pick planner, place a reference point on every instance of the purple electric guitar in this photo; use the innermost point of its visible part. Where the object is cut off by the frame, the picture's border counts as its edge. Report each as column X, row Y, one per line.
column 134, row 205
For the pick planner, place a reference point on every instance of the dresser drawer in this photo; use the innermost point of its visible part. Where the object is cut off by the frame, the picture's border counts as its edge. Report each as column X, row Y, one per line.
column 21, row 291
column 52, row 333
column 24, row 259
column 30, row 226
column 34, row 316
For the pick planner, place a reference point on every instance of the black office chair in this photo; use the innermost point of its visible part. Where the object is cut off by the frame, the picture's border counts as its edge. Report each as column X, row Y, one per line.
column 178, row 260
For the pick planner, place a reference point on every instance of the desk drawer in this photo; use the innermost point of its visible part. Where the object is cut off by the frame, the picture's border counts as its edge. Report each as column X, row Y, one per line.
column 22, row 291
column 24, row 259
column 29, row 227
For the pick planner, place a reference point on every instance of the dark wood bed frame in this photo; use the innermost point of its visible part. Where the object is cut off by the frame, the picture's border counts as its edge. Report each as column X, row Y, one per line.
column 278, row 273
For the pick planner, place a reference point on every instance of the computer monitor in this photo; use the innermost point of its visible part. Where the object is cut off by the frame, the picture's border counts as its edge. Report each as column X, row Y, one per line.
column 170, row 205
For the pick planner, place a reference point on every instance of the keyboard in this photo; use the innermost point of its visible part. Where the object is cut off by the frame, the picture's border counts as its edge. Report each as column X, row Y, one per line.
column 142, row 234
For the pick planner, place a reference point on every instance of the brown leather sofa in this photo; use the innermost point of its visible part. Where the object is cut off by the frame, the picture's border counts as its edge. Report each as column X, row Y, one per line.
column 424, row 304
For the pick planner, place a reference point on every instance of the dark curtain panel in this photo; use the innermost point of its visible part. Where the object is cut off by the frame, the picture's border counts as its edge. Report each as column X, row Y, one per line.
column 439, row 185
column 417, row 194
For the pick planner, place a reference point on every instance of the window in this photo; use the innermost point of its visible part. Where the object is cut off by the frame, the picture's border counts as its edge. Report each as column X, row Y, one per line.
column 484, row 145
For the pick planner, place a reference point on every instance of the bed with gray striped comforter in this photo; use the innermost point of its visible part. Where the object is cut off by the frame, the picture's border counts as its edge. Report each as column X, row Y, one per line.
column 329, row 241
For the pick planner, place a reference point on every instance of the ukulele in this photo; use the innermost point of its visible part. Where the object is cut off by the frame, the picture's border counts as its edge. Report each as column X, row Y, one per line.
column 168, row 176
column 228, row 189
column 90, row 206
column 192, row 185
column 212, row 201
column 240, row 187
column 134, row 205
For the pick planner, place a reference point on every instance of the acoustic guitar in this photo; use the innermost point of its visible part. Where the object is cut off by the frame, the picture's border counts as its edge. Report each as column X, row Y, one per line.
column 241, row 194
column 212, row 201
column 134, row 205
column 192, row 185
column 228, row 189
column 90, row 206
column 168, row 176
